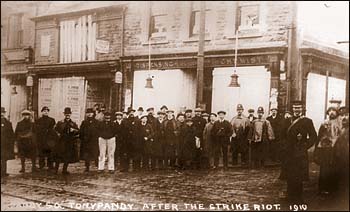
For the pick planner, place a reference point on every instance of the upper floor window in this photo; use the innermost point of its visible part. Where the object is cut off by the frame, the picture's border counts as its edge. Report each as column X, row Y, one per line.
column 77, row 39
column 195, row 19
column 158, row 19
column 15, row 31
column 249, row 16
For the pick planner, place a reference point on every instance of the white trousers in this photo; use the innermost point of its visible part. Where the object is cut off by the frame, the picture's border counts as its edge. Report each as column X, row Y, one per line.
column 109, row 145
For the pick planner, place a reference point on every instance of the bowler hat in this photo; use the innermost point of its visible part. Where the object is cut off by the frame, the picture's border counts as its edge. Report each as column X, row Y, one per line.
column 164, row 107
column 67, row 110
column 239, row 107
column 130, row 110
column 26, row 112
column 3, row 110
column 260, row 109
column 89, row 110
column 140, row 109
column 188, row 111
column 221, row 111
column 170, row 111
column 45, row 108
column 251, row 111
column 148, row 109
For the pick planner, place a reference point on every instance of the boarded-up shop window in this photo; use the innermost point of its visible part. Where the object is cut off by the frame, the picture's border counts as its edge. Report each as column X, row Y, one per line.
column 77, row 39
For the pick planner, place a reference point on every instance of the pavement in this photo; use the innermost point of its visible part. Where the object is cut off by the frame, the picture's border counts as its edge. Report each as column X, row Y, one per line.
column 231, row 190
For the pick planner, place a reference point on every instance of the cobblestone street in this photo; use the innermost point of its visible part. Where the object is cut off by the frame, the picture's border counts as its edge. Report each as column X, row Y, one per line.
column 41, row 191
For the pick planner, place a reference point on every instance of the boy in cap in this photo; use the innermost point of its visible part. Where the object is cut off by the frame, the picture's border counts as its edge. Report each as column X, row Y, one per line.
column 221, row 132
column 300, row 136
column 46, row 138
column 106, row 142
column 24, row 133
column 7, row 142
column 239, row 142
column 260, row 134
column 66, row 150
column 89, row 139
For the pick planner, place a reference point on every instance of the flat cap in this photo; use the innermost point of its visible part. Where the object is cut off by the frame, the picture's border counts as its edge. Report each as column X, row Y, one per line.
column 26, row 112
column 221, row 111
column 149, row 109
column 45, row 108
column 188, row 111
column 164, row 107
column 251, row 110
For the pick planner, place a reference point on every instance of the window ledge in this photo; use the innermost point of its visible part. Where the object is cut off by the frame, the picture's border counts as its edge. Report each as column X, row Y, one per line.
column 155, row 42
column 194, row 40
column 246, row 35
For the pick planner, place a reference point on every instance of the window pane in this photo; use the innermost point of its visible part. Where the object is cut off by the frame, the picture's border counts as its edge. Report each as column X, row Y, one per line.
column 158, row 24
column 249, row 15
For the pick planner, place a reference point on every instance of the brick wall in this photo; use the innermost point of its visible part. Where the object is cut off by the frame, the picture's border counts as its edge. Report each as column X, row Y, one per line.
column 277, row 16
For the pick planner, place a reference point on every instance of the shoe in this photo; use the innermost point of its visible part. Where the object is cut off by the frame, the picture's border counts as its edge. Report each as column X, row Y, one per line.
column 21, row 171
column 100, row 171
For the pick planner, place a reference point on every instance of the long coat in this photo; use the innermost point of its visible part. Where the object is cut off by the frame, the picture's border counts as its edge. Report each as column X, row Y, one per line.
column 132, row 126
column 45, row 140
column 146, row 134
column 66, row 149
column 207, row 140
column 188, row 134
column 158, row 138
column 221, row 132
column 89, row 149
column 301, row 135
column 170, row 137
column 7, row 140
column 27, row 147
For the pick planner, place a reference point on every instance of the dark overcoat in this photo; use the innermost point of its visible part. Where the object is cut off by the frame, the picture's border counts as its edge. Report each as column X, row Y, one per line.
column 7, row 140
column 147, row 139
column 27, row 147
column 89, row 149
column 45, row 139
column 188, row 134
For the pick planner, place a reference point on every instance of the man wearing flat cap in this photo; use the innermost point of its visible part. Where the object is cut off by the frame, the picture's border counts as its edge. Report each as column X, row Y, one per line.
column 188, row 113
column 139, row 112
column 239, row 142
column 26, row 140
column 221, row 133
column 328, row 134
column 66, row 149
column 301, row 136
column 7, row 142
column 89, row 139
column 46, row 138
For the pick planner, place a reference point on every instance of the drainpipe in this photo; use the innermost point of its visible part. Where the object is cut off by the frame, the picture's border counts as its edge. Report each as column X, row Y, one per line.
column 119, row 86
column 200, row 56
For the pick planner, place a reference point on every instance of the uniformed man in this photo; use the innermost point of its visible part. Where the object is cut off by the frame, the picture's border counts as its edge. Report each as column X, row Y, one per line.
column 89, row 149
column 327, row 136
column 274, row 145
column 25, row 137
column 7, row 142
column 146, row 134
column 239, row 142
column 301, row 135
column 66, row 149
column 221, row 132
column 46, row 138
column 118, row 154
column 260, row 134
column 207, row 145
column 170, row 139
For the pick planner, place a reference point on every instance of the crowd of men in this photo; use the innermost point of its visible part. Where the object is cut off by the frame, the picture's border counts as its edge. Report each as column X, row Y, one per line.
column 149, row 141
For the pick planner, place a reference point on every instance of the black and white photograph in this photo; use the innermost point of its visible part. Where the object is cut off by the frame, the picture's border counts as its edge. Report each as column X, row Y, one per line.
column 174, row 105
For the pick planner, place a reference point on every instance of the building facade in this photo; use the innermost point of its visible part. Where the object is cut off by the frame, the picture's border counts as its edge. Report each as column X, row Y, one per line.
column 79, row 51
